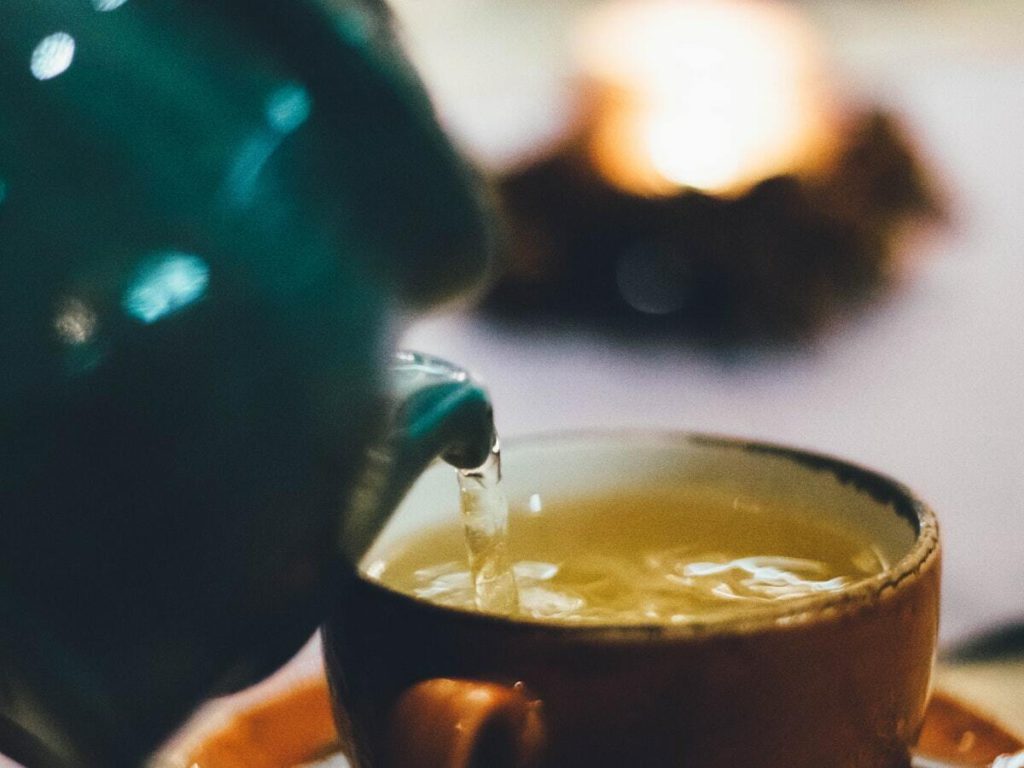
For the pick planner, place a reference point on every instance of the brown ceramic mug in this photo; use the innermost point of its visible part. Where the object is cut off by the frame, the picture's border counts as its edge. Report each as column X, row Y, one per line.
column 832, row 680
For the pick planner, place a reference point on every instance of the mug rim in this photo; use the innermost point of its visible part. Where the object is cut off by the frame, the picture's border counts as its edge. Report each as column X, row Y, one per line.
column 860, row 596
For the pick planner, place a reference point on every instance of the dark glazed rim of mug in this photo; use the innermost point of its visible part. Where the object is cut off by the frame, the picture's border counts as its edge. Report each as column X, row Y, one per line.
column 922, row 556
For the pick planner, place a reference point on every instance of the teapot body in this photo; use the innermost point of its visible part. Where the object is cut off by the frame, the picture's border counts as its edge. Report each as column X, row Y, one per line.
column 213, row 218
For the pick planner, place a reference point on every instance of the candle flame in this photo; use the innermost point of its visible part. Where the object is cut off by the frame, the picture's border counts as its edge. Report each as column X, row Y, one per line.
column 711, row 95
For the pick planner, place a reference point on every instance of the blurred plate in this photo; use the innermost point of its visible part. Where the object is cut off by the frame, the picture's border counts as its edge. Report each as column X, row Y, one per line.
column 291, row 726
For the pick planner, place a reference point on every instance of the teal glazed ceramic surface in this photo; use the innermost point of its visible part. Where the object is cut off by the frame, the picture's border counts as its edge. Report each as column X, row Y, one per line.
column 213, row 217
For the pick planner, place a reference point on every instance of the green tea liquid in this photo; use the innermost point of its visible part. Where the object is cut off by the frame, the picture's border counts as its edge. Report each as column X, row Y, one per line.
column 647, row 555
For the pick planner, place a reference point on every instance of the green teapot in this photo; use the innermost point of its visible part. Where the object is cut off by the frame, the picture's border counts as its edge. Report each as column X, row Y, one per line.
column 215, row 216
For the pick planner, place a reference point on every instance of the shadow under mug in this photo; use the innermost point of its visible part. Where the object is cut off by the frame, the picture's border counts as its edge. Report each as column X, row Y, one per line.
column 833, row 680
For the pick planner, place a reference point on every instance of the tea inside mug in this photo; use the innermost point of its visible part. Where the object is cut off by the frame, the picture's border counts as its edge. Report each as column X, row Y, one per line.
column 655, row 554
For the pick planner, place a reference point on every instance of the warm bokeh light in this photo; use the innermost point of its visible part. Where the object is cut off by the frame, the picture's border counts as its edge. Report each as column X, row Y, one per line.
column 710, row 94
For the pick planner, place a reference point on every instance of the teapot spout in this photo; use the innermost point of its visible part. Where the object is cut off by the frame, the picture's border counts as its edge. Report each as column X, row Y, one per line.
column 440, row 411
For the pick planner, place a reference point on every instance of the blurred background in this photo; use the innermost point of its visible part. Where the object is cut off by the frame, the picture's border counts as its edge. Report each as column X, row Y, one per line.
column 916, row 370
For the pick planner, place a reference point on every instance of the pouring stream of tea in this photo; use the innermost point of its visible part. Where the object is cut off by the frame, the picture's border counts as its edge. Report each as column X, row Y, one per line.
column 485, row 518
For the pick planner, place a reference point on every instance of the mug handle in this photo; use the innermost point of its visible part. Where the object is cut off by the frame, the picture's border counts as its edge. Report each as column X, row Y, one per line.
column 449, row 723
column 438, row 410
